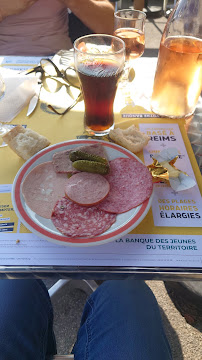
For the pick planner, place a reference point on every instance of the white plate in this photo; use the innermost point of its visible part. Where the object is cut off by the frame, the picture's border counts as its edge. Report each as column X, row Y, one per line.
column 44, row 228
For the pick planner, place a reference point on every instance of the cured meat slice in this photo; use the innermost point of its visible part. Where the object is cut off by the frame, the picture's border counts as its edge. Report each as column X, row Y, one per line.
column 62, row 163
column 87, row 189
column 74, row 220
column 42, row 187
column 130, row 184
column 95, row 149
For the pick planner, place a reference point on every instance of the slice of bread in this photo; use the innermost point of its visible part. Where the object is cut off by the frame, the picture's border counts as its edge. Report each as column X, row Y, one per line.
column 130, row 138
column 25, row 142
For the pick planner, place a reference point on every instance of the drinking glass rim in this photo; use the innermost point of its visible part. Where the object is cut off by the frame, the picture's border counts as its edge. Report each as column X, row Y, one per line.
column 100, row 35
column 133, row 10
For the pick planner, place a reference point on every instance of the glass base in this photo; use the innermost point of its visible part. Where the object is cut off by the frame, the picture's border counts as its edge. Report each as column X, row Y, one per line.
column 160, row 114
column 4, row 128
column 98, row 133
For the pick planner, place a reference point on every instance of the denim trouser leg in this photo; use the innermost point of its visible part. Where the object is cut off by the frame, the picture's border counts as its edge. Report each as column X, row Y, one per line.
column 121, row 320
column 26, row 321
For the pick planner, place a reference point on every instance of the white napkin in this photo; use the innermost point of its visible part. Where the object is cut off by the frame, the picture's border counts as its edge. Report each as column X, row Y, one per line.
column 19, row 89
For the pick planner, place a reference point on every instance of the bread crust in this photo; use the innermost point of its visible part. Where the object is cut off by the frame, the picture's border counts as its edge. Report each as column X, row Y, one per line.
column 130, row 138
column 25, row 142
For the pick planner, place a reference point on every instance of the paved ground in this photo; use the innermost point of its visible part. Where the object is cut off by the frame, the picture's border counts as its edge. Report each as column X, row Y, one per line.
column 185, row 339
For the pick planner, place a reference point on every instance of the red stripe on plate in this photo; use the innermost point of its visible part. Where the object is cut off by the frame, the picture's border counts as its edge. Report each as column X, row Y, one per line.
column 49, row 234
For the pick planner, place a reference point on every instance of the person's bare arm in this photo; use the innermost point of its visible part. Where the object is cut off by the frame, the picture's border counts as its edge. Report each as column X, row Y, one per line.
column 12, row 7
column 98, row 15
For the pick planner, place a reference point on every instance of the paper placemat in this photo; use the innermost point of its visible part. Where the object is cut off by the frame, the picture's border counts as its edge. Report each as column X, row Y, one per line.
column 170, row 244
column 164, row 241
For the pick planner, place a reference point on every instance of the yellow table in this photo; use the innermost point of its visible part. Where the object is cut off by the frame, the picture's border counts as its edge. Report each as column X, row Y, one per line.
column 62, row 128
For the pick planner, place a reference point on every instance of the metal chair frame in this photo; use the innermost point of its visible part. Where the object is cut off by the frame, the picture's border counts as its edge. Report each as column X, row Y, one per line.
column 165, row 3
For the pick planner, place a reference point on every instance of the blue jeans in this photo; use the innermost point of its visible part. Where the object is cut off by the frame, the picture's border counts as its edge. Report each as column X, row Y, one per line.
column 121, row 320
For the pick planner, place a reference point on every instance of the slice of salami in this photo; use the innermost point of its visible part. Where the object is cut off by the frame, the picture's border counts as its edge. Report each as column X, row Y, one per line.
column 87, row 189
column 130, row 184
column 42, row 187
column 79, row 221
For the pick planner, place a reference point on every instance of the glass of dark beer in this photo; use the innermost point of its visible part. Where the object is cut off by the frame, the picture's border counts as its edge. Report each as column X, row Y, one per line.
column 99, row 61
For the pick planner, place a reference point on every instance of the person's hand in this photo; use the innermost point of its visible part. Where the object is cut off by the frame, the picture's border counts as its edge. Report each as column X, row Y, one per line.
column 10, row 7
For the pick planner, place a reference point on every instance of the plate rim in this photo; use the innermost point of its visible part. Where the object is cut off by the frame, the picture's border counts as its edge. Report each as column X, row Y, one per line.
column 61, row 239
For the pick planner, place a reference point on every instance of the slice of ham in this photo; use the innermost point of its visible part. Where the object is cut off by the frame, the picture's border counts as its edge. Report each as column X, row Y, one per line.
column 74, row 220
column 130, row 184
column 42, row 187
column 87, row 189
column 62, row 163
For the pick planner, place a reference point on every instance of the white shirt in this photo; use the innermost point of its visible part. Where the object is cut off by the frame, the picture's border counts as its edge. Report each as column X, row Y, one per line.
column 40, row 30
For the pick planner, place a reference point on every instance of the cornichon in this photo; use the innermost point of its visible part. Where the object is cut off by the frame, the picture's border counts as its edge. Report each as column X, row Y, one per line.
column 91, row 166
column 81, row 155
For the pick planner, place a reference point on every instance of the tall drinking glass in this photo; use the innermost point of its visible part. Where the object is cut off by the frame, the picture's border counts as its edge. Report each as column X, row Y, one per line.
column 99, row 61
column 129, row 26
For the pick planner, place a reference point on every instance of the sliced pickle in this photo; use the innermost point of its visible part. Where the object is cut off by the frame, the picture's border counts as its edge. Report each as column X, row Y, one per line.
column 81, row 155
column 91, row 166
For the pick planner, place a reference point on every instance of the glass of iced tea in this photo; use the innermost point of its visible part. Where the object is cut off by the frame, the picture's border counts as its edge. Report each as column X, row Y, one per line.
column 129, row 26
column 99, row 61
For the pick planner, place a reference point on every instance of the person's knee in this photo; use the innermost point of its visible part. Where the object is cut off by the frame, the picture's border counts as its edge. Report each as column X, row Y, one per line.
column 19, row 296
column 19, row 289
column 124, row 294
column 25, row 319
column 123, row 288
